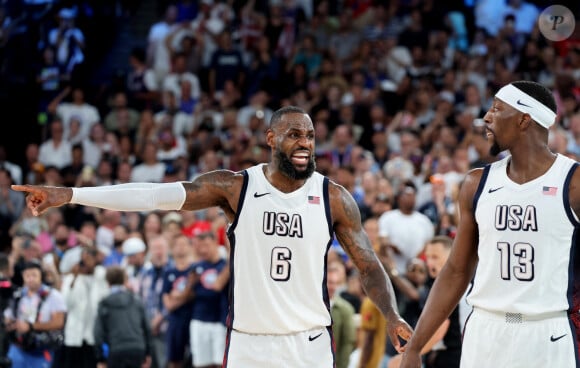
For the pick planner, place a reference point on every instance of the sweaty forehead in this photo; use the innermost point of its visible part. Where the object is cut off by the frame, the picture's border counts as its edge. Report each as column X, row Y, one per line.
column 295, row 121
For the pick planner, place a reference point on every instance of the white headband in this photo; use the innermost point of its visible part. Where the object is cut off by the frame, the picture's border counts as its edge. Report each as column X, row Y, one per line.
column 523, row 102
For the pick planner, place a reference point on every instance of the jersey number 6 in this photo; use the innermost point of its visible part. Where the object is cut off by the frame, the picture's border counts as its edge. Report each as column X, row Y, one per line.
column 280, row 263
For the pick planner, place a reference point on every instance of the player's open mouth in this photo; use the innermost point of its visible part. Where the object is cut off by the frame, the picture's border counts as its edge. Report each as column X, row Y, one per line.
column 300, row 158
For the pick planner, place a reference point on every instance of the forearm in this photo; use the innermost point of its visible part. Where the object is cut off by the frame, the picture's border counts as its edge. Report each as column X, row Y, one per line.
column 402, row 284
column 132, row 196
column 379, row 289
column 443, row 298
column 55, row 323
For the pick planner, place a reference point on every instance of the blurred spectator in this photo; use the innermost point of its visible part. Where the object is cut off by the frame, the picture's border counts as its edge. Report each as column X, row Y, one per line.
column 105, row 235
column 69, row 42
column 150, row 169
column 122, row 325
column 394, row 225
column 210, row 22
column 70, row 173
column 134, row 252
column 96, row 146
column 342, row 315
column 226, row 64
column 176, row 300
column 170, row 115
column 86, row 113
column 38, row 307
column 82, row 290
column 11, row 205
column 374, row 331
column 178, row 75
column 445, row 353
column 116, row 256
column 14, row 169
column 49, row 78
column 24, row 249
column 207, row 328
column 183, row 41
column 158, row 57
column 142, row 83
column 150, row 291
column 439, row 203
column 121, row 118
column 55, row 151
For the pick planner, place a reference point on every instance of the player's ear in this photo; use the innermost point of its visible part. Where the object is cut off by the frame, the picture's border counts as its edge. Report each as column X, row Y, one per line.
column 525, row 121
column 270, row 138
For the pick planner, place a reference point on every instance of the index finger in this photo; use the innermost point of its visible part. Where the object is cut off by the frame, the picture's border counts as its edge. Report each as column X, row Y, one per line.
column 23, row 188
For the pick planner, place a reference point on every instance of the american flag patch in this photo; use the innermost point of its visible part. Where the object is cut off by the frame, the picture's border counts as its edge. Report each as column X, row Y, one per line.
column 313, row 200
column 549, row 190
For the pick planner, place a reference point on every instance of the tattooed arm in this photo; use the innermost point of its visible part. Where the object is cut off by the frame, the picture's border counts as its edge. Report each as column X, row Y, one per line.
column 352, row 237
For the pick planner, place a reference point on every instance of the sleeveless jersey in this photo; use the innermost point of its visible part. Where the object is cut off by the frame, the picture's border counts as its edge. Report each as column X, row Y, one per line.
column 279, row 242
column 526, row 241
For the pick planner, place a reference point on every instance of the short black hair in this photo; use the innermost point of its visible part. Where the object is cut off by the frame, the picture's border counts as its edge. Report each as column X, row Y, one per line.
column 277, row 116
column 32, row 264
column 116, row 275
column 539, row 92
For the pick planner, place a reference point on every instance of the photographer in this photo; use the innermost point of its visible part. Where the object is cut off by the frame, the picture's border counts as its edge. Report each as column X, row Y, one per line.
column 35, row 320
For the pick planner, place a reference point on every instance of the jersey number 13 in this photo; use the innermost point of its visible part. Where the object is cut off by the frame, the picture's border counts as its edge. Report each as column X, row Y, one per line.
column 521, row 255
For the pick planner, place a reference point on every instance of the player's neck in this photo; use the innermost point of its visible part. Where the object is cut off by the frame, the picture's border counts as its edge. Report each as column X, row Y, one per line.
column 280, row 181
column 522, row 169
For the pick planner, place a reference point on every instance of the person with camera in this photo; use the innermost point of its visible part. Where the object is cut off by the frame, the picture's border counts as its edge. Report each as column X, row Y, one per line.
column 35, row 320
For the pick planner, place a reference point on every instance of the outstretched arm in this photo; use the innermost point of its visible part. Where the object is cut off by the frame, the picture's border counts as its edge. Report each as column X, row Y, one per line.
column 216, row 188
column 354, row 240
column 453, row 279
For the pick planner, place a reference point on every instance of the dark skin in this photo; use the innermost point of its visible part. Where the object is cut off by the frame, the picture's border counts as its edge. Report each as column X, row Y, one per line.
column 528, row 144
column 292, row 135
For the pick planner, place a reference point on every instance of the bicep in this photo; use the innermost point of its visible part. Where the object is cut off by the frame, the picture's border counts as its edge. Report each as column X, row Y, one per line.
column 216, row 188
column 463, row 257
column 349, row 231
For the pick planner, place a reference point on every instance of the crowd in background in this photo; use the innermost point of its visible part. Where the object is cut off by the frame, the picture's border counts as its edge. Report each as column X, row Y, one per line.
column 396, row 90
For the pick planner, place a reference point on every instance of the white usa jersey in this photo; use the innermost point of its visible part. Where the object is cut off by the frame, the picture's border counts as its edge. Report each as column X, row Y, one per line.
column 279, row 242
column 527, row 234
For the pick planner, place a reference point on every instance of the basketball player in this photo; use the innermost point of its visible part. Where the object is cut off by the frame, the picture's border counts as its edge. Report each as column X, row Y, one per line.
column 519, row 218
column 283, row 217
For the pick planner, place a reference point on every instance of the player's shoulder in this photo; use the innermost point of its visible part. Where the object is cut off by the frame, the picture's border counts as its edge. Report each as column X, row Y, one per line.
column 472, row 179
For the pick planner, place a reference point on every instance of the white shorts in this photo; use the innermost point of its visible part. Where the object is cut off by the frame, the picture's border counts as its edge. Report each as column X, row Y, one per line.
column 494, row 340
column 208, row 342
column 307, row 349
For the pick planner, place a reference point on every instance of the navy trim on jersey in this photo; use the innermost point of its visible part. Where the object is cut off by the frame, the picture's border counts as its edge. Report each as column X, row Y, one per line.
column 227, row 349
column 574, row 340
column 326, row 197
column 232, row 240
column 482, row 181
column 332, row 345
column 570, row 292
column 240, row 202
column 566, row 195
column 478, row 192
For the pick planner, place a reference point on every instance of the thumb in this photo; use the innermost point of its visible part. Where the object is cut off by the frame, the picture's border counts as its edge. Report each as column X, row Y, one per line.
column 395, row 339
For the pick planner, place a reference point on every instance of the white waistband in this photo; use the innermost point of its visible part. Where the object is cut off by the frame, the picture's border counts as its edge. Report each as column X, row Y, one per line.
column 509, row 317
